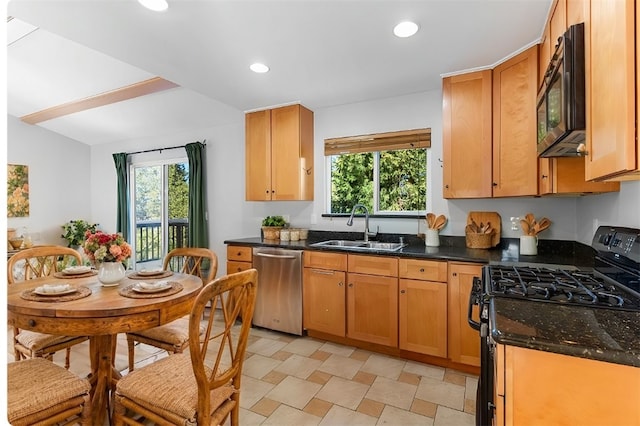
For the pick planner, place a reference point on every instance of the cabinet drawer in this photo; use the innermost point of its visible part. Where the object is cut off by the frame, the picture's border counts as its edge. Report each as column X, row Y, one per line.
column 428, row 270
column 234, row 266
column 325, row 260
column 374, row 265
column 242, row 254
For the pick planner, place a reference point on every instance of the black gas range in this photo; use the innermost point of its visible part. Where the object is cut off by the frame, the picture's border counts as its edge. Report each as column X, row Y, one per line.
column 612, row 284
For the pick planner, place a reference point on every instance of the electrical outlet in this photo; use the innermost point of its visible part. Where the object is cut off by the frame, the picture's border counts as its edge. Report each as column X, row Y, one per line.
column 515, row 223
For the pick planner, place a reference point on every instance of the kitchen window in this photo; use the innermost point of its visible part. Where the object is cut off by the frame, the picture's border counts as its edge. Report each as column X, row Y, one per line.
column 386, row 172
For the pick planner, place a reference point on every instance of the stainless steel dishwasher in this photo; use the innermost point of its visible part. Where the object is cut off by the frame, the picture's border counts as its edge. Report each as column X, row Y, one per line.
column 279, row 298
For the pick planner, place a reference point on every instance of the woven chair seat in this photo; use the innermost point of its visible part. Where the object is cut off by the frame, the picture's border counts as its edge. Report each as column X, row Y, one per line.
column 37, row 388
column 168, row 387
column 36, row 341
column 175, row 333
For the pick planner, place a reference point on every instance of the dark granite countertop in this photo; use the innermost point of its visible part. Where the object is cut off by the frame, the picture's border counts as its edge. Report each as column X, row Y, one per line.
column 595, row 333
column 550, row 252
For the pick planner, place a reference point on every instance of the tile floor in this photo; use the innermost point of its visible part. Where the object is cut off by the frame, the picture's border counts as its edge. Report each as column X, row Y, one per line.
column 289, row 380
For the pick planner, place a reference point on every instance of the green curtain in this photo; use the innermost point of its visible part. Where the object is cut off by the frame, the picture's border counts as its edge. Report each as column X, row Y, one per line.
column 122, row 222
column 198, row 224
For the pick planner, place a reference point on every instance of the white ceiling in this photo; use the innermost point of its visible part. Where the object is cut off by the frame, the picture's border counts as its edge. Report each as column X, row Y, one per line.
column 321, row 53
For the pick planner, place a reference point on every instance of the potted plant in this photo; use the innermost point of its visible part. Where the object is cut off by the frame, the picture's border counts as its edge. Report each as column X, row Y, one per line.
column 75, row 230
column 271, row 226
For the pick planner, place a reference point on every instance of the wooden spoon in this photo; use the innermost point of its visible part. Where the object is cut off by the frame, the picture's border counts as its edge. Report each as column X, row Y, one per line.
column 440, row 222
column 543, row 224
column 531, row 219
column 431, row 218
column 525, row 226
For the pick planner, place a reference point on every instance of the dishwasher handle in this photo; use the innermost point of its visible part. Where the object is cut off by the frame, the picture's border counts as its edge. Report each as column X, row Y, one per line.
column 276, row 256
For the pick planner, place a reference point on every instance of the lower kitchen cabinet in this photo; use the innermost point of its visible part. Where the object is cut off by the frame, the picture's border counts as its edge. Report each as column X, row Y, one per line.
column 324, row 301
column 239, row 258
column 372, row 309
column 423, row 317
column 544, row 388
column 324, row 292
column 463, row 341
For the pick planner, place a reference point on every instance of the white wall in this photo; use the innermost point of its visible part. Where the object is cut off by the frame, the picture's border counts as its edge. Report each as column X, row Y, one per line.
column 617, row 208
column 59, row 179
column 75, row 168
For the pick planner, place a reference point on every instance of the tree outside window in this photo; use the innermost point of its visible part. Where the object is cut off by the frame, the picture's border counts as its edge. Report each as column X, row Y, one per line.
column 384, row 181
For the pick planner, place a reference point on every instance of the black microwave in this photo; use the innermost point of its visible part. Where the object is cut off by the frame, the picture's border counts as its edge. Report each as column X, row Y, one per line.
column 561, row 99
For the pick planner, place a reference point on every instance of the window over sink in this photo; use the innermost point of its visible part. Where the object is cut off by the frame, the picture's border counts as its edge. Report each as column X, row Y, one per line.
column 387, row 172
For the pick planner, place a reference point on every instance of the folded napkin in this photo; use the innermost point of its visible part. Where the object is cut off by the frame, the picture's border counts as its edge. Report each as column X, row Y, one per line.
column 53, row 288
column 151, row 286
column 77, row 269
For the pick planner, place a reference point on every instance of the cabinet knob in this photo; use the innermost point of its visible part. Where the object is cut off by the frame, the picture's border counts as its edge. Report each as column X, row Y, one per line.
column 350, row 284
column 494, row 184
column 544, row 176
column 421, row 269
column 267, row 191
column 446, row 186
column 402, row 291
column 340, row 284
column 455, row 274
column 32, row 323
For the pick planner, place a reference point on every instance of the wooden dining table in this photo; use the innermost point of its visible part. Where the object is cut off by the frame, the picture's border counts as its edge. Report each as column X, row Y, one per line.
column 101, row 315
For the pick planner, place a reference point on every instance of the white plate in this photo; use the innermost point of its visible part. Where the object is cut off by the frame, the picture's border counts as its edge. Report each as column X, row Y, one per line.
column 138, row 289
column 50, row 293
column 76, row 270
column 150, row 272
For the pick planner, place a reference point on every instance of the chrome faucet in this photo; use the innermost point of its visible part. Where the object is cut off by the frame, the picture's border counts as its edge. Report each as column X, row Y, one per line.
column 366, row 220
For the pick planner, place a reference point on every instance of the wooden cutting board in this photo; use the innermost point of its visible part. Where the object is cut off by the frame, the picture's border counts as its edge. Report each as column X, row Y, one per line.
column 491, row 217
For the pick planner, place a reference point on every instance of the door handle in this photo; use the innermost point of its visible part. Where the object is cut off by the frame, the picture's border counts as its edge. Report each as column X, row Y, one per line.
column 276, row 256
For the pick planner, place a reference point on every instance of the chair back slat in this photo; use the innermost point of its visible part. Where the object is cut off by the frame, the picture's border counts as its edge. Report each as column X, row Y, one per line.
column 217, row 354
column 38, row 262
column 197, row 261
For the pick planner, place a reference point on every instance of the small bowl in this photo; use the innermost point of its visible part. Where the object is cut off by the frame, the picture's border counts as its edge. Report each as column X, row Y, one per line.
column 16, row 243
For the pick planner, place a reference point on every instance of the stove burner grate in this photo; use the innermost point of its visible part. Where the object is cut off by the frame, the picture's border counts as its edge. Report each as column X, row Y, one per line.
column 559, row 286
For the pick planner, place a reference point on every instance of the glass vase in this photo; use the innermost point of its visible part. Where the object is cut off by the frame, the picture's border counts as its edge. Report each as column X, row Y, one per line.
column 110, row 273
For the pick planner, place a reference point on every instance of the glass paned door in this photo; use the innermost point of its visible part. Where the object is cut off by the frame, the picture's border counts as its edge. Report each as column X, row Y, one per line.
column 160, row 199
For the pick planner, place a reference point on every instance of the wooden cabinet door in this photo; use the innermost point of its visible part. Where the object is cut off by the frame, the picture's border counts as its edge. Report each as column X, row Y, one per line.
column 372, row 309
column 544, row 388
column 611, row 92
column 324, row 306
column 423, row 317
column 325, row 260
column 292, row 153
column 463, row 341
column 466, row 132
column 515, row 164
column 258, row 156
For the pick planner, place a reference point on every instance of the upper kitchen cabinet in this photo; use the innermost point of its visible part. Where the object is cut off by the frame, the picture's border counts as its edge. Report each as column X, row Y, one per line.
column 466, row 132
column 515, row 86
column 279, row 154
column 612, row 87
column 565, row 175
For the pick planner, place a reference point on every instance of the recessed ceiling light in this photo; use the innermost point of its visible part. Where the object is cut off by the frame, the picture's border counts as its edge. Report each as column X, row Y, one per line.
column 155, row 5
column 405, row 29
column 259, row 68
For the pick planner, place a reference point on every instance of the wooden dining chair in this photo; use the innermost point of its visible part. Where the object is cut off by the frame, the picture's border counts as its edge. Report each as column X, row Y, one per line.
column 37, row 262
column 201, row 386
column 174, row 336
column 41, row 392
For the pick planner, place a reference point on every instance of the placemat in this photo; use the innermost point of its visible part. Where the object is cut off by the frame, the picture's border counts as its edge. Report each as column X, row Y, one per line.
column 82, row 292
column 72, row 276
column 129, row 292
column 136, row 276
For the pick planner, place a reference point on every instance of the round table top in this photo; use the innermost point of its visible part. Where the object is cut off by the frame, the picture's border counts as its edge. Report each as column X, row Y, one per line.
column 104, row 311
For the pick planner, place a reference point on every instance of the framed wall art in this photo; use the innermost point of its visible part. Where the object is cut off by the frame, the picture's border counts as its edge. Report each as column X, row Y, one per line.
column 17, row 190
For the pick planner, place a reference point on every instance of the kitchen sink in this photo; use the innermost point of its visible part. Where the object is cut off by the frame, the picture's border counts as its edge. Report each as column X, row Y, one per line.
column 359, row 245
